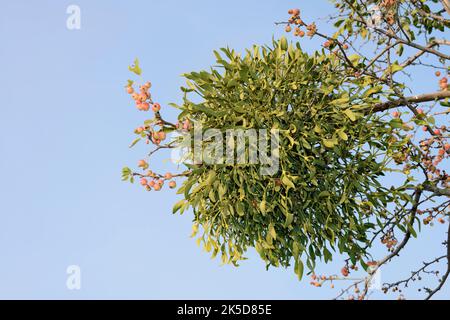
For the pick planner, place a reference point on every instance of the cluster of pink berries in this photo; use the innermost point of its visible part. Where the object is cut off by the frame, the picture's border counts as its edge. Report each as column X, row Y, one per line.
column 143, row 98
column 319, row 280
column 152, row 181
column 434, row 151
column 432, row 214
column 156, row 137
column 389, row 240
column 154, row 131
column 144, row 102
column 298, row 23
column 443, row 84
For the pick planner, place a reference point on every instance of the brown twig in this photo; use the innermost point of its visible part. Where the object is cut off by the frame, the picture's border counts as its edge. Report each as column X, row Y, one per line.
column 413, row 99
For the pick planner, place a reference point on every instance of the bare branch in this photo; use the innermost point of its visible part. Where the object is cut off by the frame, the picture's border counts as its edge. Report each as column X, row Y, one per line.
column 447, row 273
column 420, row 53
column 406, row 42
column 413, row 99
column 446, row 4
column 437, row 191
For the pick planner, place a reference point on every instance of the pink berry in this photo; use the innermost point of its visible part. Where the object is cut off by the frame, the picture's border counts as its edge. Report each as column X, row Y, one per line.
column 142, row 163
column 156, row 107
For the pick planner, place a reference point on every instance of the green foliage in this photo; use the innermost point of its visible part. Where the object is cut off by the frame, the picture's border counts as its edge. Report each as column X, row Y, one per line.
column 415, row 18
column 135, row 68
column 127, row 175
column 332, row 153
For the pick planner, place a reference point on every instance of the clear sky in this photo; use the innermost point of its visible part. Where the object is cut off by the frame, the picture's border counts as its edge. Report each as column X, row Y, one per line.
column 65, row 127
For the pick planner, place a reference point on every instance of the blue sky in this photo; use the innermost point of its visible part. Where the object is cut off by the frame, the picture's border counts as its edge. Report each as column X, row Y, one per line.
column 65, row 127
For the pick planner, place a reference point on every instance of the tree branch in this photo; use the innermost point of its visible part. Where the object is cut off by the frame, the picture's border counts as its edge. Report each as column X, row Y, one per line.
column 447, row 273
column 406, row 42
column 422, row 52
column 446, row 4
column 436, row 190
column 413, row 212
column 418, row 5
column 413, row 99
